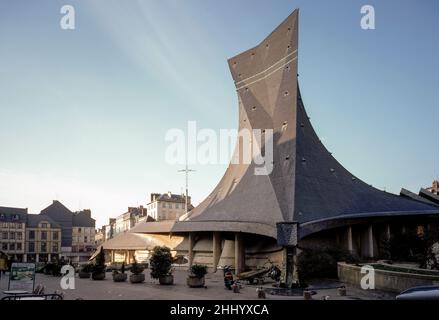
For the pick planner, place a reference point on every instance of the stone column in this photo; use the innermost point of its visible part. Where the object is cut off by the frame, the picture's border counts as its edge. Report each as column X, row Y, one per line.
column 239, row 254
column 191, row 248
column 37, row 258
column 216, row 250
column 24, row 257
column 113, row 256
column 350, row 242
column 388, row 234
column 289, row 270
column 49, row 257
column 370, row 241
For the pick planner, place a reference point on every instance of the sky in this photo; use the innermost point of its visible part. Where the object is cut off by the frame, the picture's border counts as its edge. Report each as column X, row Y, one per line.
column 84, row 112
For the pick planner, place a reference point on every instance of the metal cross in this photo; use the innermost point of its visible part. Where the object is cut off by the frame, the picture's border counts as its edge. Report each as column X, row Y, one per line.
column 186, row 171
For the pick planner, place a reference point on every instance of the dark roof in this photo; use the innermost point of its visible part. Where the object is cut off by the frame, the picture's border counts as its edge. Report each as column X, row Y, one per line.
column 429, row 195
column 34, row 219
column 13, row 214
column 170, row 198
column 82, row 219
column 65, row 217
column 59, row 213
column 414, row 196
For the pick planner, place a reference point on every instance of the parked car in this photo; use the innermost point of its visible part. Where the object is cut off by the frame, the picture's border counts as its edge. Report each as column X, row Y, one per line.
column 420, row 293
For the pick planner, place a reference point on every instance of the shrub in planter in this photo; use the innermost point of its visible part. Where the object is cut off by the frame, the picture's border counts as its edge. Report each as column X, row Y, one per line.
column 161, row 265
column 196, row 277
column 321, row 263
column 137, row 275
column 85, row 271
column 56, row 270
column 99, row 268
column 120, row 276
column 48, row 268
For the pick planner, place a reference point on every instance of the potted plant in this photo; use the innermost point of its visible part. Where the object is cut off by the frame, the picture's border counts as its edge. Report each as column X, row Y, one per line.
column 196, row 277
column 161, row 265
column 137, row 275
column 99, row 267
column 85, row 271
column 120, row 276
column 56, row 269
column 48, row 268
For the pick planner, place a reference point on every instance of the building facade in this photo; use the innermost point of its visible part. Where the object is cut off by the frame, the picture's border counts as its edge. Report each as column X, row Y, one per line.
column 43, row 239
column 12, row 232
column 129, row 219
column 78, row 231
column 167, row 206
column 54, row 233
column 434, row 187
column 99, row 237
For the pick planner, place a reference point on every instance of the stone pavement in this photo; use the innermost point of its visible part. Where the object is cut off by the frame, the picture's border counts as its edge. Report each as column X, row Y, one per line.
column 88, row 289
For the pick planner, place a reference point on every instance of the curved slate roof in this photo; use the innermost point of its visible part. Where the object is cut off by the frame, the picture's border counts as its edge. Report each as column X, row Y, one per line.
column 307, row 184
column 325, row 189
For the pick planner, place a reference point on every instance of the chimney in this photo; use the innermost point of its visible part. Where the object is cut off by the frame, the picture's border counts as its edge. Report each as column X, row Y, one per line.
column 169, row 194
column 87, row 212
column 435, row 186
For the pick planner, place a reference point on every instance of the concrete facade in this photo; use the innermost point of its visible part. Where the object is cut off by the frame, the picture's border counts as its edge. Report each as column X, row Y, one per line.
column 386, row 280
column 12, row 231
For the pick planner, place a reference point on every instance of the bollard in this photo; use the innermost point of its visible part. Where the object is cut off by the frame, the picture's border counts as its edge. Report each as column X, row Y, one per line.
column 261, row 293
column 307, row 295
column 342, row 291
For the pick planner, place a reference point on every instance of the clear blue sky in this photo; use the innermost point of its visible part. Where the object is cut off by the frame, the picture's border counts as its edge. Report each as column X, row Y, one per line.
column 83, row 113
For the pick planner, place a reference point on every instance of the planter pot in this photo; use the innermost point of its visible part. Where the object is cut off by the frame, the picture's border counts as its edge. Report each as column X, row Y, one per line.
column 120, row 277
column 195, row 282
column 84, row 275
column 342, row 291
column 307, row 295
column 167, row 280
column 261, row 293
column 137, row 278
column 98, row 276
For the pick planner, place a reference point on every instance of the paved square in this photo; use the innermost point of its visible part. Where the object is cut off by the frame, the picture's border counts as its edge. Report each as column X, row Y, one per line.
column 107, row 289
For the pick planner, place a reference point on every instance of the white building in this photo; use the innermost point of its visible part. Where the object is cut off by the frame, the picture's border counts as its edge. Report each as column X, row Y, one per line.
column 167, row 206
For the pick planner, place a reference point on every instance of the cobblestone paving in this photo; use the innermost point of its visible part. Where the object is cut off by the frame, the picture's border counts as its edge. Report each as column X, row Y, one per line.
column 88, row 289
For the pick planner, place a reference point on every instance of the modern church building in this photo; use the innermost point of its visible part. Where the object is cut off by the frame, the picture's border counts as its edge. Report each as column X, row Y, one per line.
column 308, row 199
